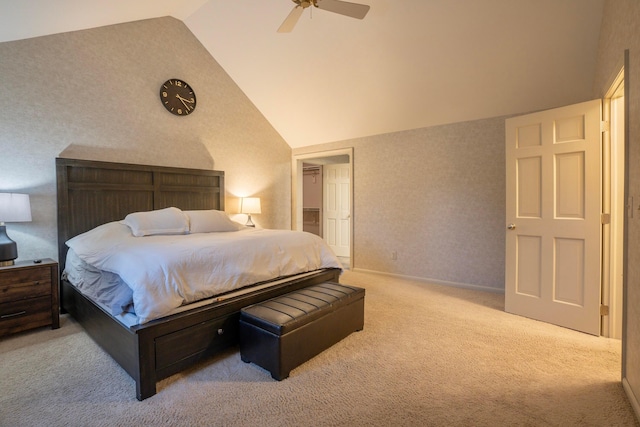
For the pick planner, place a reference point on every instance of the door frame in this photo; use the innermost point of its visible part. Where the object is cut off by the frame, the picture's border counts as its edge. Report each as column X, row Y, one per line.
column 297, row 161
column 613, row 163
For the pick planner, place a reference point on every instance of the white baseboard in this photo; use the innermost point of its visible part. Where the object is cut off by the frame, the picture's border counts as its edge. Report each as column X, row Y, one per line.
column 434, row 281
column 632, row 397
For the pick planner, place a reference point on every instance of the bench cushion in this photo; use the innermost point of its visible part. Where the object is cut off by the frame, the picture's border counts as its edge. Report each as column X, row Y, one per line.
column 294, row 310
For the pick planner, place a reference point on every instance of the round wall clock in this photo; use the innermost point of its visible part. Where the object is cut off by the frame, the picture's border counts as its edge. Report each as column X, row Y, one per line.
column 178, row 97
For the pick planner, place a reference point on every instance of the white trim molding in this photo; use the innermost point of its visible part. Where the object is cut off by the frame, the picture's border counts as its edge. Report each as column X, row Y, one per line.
column 433, row 281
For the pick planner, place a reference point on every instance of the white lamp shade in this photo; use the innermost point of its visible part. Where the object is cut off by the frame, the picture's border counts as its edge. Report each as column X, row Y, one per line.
column 14, row 207
column 250, row 205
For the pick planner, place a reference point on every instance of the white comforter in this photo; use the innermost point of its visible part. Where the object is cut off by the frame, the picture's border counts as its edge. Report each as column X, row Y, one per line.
column 165, row 272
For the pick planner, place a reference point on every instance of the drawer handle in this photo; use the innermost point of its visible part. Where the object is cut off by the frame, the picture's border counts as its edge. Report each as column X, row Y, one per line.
column 6, row 316
column 36, row 283
column 220, row 331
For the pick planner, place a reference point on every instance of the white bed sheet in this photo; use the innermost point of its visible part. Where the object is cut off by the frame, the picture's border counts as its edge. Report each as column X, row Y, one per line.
column 129, row 318
column 166, row 272
column 103, row 287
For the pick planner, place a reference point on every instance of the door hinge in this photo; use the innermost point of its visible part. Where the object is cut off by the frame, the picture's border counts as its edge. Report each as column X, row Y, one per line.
column 604, row 126
column 605, row 218
column 604, row 310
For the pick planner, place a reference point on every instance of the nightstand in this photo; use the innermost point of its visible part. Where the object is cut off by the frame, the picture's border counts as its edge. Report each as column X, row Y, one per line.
column 29, row 296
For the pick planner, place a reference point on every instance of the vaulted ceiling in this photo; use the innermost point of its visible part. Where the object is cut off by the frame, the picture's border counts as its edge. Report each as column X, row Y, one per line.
column 408, row 64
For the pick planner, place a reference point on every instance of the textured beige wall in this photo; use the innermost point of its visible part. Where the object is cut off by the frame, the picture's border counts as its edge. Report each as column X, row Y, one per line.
column 93, row 94
column 436, row 196
column 620, row 31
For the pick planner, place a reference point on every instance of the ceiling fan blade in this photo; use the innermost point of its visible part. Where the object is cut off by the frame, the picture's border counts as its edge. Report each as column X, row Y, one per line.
column 353, row 10
column 291, row 20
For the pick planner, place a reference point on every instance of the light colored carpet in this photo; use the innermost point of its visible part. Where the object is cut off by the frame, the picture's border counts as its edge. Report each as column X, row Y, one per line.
column 429, row 356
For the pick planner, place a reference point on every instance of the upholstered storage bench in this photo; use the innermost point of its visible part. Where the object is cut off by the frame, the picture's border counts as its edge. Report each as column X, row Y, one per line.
column 284, row 332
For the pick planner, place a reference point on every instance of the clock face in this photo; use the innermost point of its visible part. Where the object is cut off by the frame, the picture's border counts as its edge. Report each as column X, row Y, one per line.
column 177, row 97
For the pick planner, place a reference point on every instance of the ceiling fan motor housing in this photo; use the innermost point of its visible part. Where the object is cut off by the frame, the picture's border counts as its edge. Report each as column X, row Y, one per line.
column 306, row 3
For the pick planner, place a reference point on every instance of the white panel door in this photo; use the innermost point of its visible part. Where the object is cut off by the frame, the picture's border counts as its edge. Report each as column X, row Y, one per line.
column 553, row 243
column 337, row 208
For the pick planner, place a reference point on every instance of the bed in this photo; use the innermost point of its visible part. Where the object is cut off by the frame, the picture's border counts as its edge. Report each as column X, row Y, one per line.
column 92, row 193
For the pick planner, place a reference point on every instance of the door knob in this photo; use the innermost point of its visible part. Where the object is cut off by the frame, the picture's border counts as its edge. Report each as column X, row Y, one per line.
column 511, row 226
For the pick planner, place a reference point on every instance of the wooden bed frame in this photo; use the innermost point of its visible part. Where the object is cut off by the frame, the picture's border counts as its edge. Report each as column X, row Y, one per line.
column 92, row 193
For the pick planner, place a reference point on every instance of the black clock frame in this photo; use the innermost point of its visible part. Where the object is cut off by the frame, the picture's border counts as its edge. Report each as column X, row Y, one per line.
column 178, row 97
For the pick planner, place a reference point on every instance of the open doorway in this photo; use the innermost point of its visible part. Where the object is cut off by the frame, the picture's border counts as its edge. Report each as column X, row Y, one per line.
column 322, row 197
column 312, row 198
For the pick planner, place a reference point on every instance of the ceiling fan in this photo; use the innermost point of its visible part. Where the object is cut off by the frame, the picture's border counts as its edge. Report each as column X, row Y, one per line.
column 345, row 8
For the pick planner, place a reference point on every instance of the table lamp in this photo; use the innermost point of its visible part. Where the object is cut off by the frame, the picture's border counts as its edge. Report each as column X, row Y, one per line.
column 250, row 205
column 13, row 208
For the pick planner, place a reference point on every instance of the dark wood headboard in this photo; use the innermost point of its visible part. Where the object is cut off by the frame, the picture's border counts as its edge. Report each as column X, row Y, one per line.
column 92, row 193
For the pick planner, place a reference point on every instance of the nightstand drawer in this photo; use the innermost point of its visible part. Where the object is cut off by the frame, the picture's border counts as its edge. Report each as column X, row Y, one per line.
column 24, row 283
column 25, row 314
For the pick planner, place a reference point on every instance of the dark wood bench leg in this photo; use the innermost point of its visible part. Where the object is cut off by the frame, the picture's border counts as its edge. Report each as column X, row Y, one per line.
column 280, row 376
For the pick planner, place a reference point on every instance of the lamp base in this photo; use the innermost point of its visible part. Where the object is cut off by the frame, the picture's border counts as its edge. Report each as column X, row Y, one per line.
column 8, row 248
column 6, row 263
column 249, row 222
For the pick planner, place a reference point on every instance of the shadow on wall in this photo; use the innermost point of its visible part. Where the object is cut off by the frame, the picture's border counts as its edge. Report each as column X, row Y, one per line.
column 192, row 155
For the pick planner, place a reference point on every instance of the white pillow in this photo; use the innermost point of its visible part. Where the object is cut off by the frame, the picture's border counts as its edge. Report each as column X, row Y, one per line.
column 163, row 221
column 209, row 221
